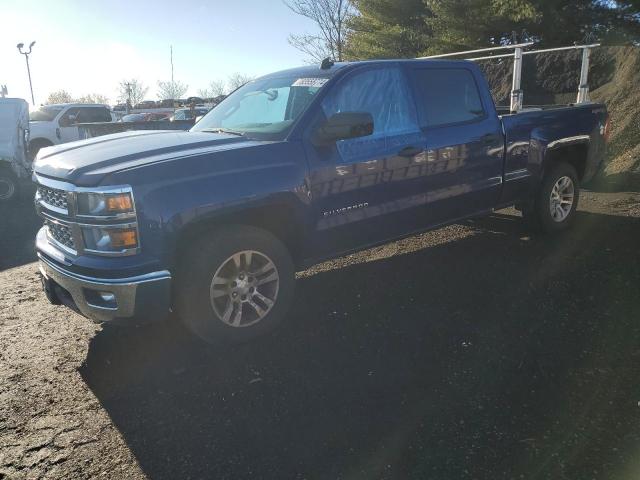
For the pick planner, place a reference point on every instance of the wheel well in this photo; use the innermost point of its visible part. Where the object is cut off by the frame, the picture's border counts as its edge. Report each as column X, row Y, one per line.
column 281, row 220
column 575, row 155
column 42, row 142
column 36, row 144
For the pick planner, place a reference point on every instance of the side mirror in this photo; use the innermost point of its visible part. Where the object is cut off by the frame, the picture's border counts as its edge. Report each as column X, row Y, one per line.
column 342, row 126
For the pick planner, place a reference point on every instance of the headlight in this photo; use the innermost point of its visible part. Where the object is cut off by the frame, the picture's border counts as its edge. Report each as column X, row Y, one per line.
column 110, row 239
column 104, row 204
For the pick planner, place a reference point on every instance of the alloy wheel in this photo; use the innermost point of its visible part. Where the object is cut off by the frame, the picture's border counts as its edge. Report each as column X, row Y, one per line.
column 561, row 199
column 244, row 288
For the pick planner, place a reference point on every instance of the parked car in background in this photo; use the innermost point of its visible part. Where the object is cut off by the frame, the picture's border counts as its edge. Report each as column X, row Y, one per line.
column 167, row 103
column 14, row 138
column 133, row 117
column 145, row 104
column 194, row 100
column 121, row 107
column 291, row 169
column 189, row 113
column 145, row 117
column 56, row 124
column 157, row 116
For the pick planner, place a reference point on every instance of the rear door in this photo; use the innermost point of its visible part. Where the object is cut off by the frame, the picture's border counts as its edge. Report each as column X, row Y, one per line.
column 93, row 115
column 463, row 140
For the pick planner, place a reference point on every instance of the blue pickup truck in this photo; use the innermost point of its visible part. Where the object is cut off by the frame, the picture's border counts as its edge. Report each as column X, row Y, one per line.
column 291, row 169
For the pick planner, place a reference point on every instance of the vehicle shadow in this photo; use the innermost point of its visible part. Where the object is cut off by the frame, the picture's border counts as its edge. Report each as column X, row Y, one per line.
column 490, row 356
column 18, row 227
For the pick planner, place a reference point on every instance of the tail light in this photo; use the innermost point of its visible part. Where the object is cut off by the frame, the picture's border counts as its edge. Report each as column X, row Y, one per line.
column 607, row 129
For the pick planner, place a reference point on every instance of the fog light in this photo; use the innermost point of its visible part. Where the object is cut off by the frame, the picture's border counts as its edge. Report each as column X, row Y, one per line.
column 107, row 297
column 100, row 299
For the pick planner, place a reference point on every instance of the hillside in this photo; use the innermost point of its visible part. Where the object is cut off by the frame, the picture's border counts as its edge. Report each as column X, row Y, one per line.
column 614, row 79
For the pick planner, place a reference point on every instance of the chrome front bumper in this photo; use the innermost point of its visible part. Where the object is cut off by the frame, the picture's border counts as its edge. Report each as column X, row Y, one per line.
column 145, row 297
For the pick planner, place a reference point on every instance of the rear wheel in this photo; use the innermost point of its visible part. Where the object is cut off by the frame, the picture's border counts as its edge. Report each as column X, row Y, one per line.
column 236, row 285
column 556, row 201
column 9, row 187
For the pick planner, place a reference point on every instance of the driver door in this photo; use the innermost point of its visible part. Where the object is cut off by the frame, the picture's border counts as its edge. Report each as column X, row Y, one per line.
column 67, row 130
column 368, row 189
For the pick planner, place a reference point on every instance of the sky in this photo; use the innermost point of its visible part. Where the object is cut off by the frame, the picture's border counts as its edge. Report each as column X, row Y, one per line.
column 89, row 46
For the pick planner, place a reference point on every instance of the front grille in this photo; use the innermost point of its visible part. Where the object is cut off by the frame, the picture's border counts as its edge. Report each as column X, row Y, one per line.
column 60, row 233
column 53, row 196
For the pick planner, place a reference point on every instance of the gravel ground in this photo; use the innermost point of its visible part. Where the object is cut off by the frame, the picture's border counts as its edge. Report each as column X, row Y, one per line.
column 476, row 351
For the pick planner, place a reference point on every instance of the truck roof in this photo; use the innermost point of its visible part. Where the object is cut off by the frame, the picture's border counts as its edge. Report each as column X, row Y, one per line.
column 316, row 71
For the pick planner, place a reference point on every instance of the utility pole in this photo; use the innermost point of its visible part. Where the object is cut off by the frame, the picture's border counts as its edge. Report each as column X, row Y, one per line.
column 128, row 87
column 26, row 56
column 171, row 54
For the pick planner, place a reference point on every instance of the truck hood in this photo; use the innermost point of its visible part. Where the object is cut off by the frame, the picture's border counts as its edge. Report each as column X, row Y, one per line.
column 86, row 162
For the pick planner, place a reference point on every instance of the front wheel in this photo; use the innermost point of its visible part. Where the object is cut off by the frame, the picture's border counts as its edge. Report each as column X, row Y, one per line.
column 556, row 202
column 236, row 285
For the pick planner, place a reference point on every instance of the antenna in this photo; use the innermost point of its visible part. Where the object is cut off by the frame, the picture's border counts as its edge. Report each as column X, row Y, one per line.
column 326, row 64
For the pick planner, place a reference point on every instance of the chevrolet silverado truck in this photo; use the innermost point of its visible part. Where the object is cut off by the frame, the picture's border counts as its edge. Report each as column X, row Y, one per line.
column 291, row 169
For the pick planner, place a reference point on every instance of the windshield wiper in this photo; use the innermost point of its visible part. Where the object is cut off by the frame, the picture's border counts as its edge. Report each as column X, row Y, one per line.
column 224, row 130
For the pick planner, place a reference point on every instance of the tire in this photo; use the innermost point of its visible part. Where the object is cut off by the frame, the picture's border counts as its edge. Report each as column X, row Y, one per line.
column 9, row 185
column 560, row 184
column 261, row 286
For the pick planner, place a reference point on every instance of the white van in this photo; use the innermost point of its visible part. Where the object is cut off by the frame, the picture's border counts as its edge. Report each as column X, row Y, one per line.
column 15, row 165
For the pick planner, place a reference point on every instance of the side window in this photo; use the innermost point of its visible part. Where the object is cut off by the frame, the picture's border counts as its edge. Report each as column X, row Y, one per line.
column 69, row 118
column 447, row 95
column 93, row 115
column 384, row 93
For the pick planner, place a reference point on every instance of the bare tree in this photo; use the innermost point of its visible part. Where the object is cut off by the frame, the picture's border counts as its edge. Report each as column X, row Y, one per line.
column 215, row 89
column 171, row 90
column 331, row 17
column 93, row 98
column 133, row 90
column 59, row 96
column 236, row 80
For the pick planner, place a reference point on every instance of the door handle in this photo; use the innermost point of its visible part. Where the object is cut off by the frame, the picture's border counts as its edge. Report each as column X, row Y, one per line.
column 410, row 152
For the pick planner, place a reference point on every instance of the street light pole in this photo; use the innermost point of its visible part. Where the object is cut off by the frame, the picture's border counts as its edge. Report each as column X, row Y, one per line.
column 26, row 57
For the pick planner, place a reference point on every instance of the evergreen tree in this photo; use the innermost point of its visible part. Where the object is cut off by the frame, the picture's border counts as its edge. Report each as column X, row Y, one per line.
column 411, row 28
column 388, row 29
column 467, row 24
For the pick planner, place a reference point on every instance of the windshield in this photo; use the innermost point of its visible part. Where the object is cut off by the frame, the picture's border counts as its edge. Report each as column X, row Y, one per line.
column 263, row 108
column 44, row 114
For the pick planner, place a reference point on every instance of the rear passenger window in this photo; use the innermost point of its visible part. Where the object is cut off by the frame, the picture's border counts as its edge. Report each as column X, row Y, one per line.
column 93, row 115
column 447, row 95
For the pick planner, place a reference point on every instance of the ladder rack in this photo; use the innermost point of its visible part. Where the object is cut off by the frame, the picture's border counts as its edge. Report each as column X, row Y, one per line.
column 517, row 94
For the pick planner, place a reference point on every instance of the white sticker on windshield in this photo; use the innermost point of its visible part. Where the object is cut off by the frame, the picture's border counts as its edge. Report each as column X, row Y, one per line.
column 310, row 82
